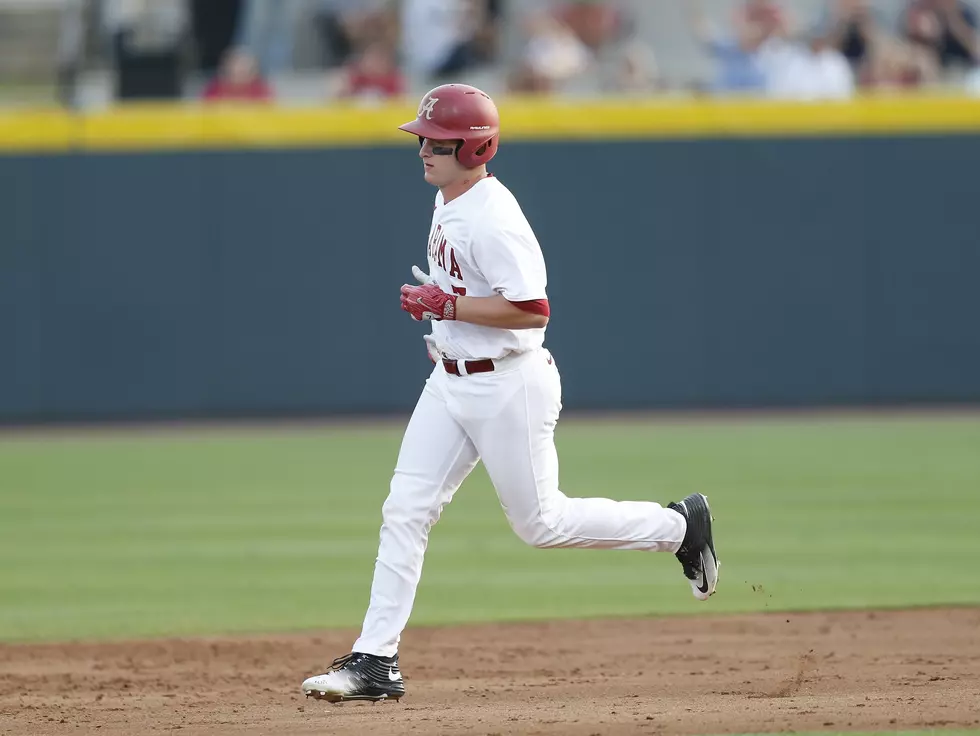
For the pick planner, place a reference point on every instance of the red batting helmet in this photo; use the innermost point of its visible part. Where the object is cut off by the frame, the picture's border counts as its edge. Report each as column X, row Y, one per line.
column 461, row 113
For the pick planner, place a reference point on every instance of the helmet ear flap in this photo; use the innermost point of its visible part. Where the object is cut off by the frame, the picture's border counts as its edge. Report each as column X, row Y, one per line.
column 475, row 155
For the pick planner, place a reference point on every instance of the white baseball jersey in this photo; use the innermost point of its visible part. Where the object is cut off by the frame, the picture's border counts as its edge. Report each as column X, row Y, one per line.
column 481, row 244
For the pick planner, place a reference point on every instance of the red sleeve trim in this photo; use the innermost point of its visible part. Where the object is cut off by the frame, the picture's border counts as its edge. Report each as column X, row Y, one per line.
column 535, row 306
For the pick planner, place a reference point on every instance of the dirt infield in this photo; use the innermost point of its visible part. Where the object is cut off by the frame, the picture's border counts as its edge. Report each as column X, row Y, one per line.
column 862, row 670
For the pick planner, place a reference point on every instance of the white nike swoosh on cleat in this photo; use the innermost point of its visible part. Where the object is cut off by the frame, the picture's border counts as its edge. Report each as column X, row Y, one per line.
column 392, row 676
column 703, row 587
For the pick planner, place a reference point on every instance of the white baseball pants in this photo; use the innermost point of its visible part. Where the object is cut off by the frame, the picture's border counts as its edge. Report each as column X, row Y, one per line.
column 507, row 418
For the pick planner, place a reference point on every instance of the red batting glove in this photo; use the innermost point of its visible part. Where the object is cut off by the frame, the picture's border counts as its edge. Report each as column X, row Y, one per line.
column 428, row 302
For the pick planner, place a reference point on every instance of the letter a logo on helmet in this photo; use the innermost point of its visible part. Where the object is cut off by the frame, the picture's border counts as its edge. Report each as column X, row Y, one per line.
column 463, row 113
column 427, row 107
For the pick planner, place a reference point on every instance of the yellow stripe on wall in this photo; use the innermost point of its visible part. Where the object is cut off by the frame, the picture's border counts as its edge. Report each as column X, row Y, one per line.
column 179, row 127
column 44, row 131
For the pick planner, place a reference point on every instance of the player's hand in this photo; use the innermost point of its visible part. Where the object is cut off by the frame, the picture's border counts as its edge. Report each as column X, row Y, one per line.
column 428, row 302
column 430, row 344
column 422, row 277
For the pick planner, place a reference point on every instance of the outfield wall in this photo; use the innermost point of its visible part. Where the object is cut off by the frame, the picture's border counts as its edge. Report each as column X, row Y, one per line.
column 185, row 263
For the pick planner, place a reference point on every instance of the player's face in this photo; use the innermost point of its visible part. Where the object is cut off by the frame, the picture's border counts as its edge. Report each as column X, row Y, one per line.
column 439, row 162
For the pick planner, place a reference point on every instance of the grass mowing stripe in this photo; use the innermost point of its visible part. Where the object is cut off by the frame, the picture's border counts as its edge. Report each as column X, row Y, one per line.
column 163, row 533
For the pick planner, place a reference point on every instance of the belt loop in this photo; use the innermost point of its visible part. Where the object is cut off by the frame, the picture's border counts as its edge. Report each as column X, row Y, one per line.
column 461, row 367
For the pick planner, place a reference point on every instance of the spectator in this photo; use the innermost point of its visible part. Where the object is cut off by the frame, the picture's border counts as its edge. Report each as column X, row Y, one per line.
column 853, row 30
column 347, row 26
column 148, row 40
column 553, row 55
column 808, row 70
column 949, row 27
column 373, row 74
column 878, row 59
column 486, row 40
column 736, row 53
column 267, row 28
column 239, row 80
column 593, row 21
column 636, row 71
column 445, row 37
column 213, row 28
column 893, row 63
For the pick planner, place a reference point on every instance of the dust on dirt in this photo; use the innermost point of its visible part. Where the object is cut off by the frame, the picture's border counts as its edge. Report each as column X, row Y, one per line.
column 884, row 670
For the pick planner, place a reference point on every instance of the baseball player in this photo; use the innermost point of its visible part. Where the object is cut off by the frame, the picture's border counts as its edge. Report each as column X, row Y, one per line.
column 494, row 395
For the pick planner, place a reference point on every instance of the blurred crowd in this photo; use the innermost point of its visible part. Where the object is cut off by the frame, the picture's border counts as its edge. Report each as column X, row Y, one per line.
column 376, row 49
column 765, row 50
column 365, row 49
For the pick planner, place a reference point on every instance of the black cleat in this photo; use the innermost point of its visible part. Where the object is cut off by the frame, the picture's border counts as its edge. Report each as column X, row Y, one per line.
column 697, row 552
column 358, row 677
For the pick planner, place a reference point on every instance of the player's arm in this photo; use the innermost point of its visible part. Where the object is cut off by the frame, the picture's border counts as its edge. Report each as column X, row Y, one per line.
column 498, row 311
column 492, row 311
column 430, row 302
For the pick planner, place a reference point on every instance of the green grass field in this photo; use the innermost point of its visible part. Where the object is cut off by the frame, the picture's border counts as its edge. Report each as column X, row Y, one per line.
column 106, row 535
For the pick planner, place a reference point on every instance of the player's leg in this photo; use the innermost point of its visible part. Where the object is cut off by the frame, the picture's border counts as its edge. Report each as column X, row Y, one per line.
column 517, row 445
column 435, row 458
column 513, row 431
